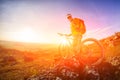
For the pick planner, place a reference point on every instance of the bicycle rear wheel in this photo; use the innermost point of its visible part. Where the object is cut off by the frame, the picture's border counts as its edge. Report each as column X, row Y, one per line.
column 91, row 51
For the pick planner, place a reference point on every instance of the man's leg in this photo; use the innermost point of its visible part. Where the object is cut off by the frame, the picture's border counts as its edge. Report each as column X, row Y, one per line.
column 79, row 37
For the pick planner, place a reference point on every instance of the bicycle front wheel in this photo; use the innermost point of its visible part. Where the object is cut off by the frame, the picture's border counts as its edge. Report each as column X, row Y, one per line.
column 65, row 50
column 91, row 51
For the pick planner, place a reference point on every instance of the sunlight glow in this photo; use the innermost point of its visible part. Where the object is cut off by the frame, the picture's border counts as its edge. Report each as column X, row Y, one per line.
column 26, row 35
column 64, row 41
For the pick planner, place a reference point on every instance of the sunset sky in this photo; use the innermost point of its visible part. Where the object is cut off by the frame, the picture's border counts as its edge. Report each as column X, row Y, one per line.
column 41, row 20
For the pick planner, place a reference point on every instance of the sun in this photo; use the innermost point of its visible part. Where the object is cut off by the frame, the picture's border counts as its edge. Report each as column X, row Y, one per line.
column 27, row 35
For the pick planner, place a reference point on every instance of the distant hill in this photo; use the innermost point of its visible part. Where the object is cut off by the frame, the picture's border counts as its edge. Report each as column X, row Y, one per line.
column 115, row 36
column 23, row 46
column 112, row 44
column 113, row 39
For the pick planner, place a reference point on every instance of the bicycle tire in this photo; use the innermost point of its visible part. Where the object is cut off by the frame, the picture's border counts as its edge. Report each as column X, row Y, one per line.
column 64, row 50
column 100, row 47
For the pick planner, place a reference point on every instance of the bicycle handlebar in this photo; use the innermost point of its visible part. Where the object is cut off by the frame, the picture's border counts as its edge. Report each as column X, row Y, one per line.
column 66, row 35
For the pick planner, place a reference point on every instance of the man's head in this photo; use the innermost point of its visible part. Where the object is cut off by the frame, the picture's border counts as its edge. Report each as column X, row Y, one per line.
column 69, row 17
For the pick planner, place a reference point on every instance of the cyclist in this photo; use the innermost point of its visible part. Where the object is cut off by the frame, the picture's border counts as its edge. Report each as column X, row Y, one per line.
column 78, row 28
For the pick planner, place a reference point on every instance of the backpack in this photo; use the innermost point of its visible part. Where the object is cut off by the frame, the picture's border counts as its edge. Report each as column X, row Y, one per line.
column 81, row 26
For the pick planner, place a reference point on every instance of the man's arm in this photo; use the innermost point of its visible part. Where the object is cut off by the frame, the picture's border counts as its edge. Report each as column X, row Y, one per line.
column 64, row 34
column 68, row 34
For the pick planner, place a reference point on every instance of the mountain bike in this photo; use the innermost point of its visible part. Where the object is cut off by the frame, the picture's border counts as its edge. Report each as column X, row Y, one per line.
column 88, row 48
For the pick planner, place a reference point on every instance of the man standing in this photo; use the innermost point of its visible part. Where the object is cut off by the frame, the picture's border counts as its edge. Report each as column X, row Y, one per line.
column 77, row 29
